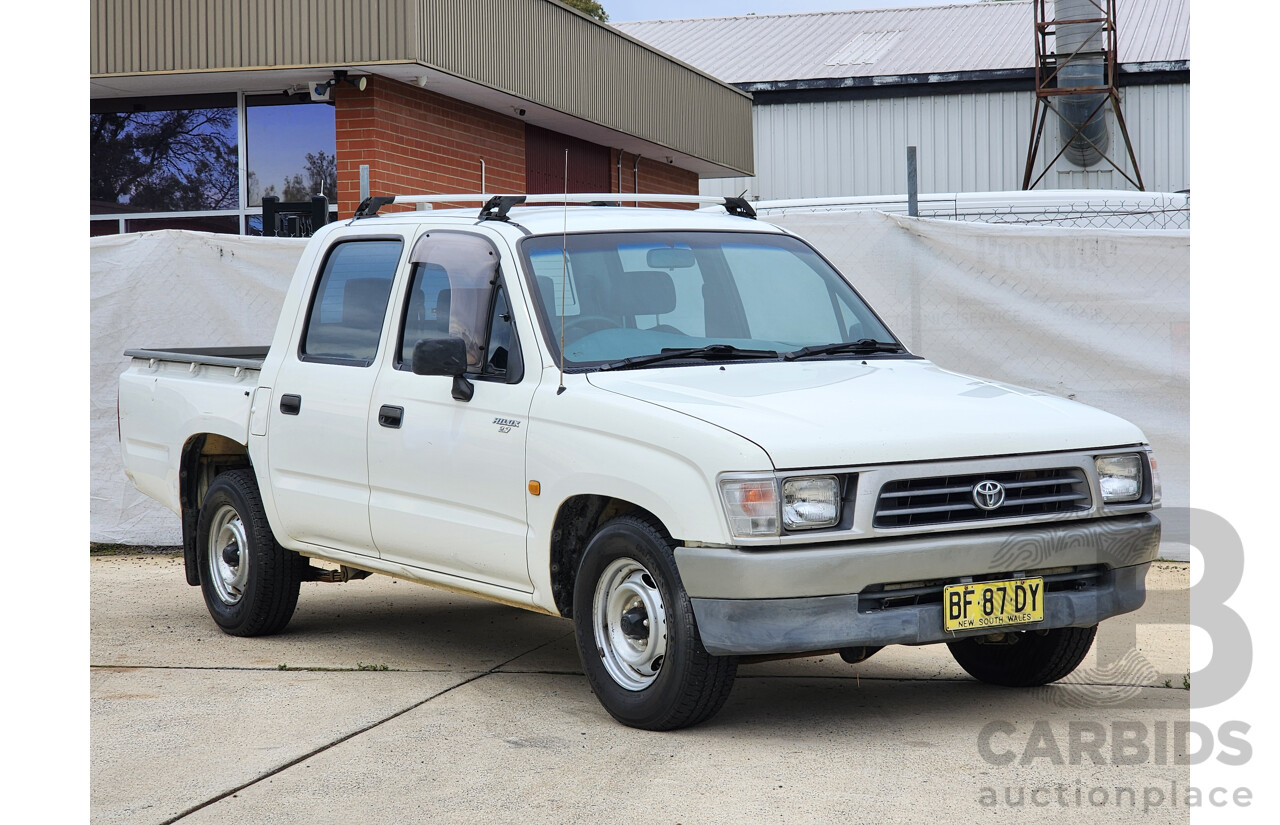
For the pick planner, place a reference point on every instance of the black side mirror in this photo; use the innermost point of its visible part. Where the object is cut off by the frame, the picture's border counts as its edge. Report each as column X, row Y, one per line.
column 440, row 356
column 444, row 356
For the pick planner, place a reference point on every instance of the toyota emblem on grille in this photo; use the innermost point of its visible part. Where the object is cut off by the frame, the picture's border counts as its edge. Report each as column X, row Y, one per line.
column 988, row 495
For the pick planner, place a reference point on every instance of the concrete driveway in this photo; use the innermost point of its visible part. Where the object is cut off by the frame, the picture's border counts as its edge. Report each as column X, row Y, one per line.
column 389, row 702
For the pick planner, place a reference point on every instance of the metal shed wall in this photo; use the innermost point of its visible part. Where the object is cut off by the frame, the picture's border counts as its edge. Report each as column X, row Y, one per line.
column 541, row 52
column 968, row 142
column 130, row 37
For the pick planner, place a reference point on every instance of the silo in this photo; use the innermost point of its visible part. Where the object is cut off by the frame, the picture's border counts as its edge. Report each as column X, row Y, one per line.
column 1081, row 48
column 1076, row 65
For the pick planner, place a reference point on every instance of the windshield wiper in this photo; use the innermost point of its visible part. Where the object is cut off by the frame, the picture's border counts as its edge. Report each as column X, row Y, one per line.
column 713, row 352
column 863, row 346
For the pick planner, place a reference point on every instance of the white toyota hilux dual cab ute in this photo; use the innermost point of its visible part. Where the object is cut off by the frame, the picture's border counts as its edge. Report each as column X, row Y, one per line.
column 683, row 430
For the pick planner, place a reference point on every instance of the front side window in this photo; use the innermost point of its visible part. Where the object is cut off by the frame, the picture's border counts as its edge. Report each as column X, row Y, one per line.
column 344, row 324
column 502, row 352
column 636, row 294
column 427, row 311
column 452, row 294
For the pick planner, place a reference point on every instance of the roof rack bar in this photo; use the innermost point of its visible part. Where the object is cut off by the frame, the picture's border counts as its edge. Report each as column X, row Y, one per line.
column 496, row 207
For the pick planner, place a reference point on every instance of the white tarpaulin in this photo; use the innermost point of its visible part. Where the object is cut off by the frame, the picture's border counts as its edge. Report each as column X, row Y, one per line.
column 165, row 289
column 1100, row 315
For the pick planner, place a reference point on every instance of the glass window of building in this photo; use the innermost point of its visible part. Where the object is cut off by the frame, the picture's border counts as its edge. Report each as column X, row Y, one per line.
column 204, row 162
column 155, row 156
column 291, row 151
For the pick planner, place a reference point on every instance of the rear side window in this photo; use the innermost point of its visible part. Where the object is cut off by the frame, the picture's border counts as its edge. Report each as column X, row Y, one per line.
column 345, row 321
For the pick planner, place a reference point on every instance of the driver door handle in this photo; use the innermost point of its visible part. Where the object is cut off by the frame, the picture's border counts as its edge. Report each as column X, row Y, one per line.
column 390, row 417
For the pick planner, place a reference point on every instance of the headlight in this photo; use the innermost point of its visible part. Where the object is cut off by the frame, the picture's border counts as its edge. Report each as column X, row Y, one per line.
column 809, row 503
column 751, row 505
column 1120, row 477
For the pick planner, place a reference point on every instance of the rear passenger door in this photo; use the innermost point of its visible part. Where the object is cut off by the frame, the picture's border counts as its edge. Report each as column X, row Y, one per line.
column 318, row 430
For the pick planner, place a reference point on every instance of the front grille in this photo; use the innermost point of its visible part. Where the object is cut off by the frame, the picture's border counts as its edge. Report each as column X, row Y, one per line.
column 915, row 502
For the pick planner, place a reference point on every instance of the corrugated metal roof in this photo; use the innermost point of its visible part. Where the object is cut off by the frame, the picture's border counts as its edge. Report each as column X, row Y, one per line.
column 911, row 41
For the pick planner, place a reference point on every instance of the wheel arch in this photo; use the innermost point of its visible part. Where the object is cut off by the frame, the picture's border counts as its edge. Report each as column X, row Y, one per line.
column 576, row 521
column 204, row 456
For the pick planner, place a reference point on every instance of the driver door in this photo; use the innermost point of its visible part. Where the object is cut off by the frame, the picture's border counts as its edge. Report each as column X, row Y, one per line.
column 447, row 477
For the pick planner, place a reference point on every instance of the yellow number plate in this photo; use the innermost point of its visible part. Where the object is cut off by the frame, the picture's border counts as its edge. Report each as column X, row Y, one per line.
column 983, row 605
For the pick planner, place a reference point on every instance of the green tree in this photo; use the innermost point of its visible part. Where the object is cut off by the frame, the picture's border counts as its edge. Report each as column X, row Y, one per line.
column 590, row 8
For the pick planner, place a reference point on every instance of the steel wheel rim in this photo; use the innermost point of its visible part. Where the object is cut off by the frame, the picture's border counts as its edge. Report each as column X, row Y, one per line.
column 227, row 532
column 625, row 592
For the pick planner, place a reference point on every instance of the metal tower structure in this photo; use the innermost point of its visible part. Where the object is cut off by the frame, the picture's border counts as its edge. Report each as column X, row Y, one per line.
column 1076, row 77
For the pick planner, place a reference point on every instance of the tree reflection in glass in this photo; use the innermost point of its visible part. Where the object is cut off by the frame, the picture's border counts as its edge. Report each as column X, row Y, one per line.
column 291, row 151
column 166, row 161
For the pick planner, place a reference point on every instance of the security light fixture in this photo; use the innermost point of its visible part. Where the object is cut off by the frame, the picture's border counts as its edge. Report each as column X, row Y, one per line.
column 323, row 91
column 340, row 76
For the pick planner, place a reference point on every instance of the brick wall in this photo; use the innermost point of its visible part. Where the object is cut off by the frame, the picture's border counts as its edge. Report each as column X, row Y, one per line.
column 416, row 141
column 656, row 175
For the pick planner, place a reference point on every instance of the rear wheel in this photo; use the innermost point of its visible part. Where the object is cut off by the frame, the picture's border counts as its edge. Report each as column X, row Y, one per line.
column 250, row 583
column 636, row 632
column 1025, row 659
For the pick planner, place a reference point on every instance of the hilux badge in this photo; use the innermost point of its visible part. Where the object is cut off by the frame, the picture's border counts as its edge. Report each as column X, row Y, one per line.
column 505, row 425
column 988, row 495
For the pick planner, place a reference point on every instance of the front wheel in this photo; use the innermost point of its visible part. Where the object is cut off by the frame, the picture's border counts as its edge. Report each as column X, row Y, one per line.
column 1026, row 659
column 636, row 632
column 250, row 583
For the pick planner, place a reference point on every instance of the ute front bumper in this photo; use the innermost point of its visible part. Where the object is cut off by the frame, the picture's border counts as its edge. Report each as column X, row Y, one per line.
column 826, row 597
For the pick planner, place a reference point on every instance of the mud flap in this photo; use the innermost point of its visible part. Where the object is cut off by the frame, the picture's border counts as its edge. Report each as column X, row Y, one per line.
column 190, row 518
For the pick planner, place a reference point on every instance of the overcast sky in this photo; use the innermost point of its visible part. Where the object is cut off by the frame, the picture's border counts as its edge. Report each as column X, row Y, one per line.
column 620, row 11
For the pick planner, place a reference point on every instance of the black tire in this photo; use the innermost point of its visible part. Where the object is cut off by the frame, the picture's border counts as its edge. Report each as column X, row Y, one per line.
column 688, row 685
column 1032, row 658
column 257, row 595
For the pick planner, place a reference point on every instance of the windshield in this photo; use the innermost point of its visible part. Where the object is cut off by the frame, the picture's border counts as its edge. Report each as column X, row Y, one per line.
column 622, row 295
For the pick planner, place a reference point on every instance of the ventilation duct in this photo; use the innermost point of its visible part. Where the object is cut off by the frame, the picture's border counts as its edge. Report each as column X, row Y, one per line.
column 1085, row 70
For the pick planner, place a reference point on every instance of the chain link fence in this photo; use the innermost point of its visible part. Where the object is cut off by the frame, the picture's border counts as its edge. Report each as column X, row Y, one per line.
column 1067, row 208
